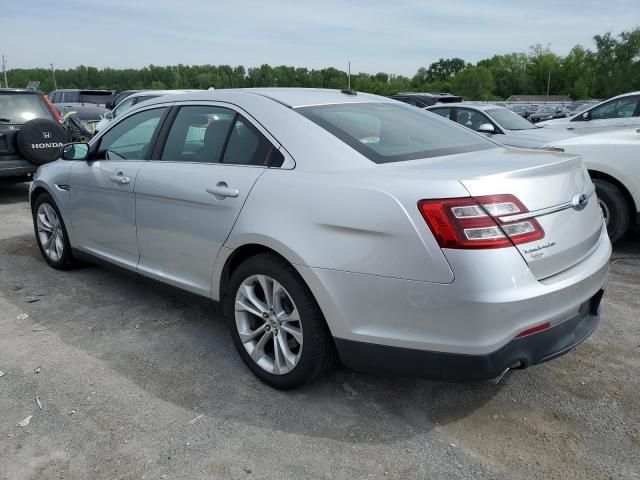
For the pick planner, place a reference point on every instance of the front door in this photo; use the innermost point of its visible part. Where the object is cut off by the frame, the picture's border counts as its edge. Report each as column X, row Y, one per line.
column 102, row 202
column 188, row 202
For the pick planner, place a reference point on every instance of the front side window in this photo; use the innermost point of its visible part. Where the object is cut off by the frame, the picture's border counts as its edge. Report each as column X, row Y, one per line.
column 131, row 139
column 389, row 132
column 123, row 107
column 620, row 108
column 71, row 97
column 198, row 134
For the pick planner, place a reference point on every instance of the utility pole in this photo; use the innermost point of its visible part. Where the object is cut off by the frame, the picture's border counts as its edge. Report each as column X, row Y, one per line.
column 548, row 84
column 349, row 77
column 4, row 70
column 53, row 72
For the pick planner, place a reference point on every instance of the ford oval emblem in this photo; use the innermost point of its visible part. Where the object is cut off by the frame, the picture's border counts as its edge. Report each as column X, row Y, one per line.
column 579, row 201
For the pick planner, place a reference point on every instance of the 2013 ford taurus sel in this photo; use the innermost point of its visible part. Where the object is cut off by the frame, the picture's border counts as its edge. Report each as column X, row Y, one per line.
column 328, row 222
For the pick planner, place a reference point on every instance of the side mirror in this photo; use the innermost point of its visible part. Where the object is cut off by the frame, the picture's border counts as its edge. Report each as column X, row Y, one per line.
column 75, row 151
column 585, row 116
column 108, row 115
column 486, row 128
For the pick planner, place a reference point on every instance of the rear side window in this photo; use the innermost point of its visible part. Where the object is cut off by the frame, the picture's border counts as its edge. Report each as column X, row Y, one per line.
column 389, row 132
column 246, row 146
column 16, row 108
column 198, row 134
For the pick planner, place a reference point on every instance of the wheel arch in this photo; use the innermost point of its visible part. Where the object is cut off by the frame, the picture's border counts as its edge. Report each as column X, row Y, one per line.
column 37, row 191
column 228, row 261
column 596, row 174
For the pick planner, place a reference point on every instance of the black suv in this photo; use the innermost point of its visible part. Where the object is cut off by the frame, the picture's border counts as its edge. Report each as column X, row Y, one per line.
column 30, row 133
column 423, row 100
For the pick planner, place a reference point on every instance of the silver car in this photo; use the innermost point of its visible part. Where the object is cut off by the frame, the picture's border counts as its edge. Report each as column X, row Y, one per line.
column 500, row 124
column 338, row 225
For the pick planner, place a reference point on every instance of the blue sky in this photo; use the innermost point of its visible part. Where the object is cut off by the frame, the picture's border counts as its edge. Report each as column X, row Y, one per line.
column 377, row 35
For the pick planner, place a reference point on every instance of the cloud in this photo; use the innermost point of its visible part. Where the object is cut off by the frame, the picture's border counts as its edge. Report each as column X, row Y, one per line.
column 376, row 35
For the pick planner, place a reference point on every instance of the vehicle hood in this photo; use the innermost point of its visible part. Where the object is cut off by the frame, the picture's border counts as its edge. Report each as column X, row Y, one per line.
column 556, row 121
column 534, row 138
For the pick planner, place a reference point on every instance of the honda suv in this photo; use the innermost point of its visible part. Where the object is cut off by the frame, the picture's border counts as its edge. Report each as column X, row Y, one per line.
column 30, row 133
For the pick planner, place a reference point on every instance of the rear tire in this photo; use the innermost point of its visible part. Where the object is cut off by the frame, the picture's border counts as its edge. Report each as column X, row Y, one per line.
column 51, row 233
column 615, row 208
column 307, row 348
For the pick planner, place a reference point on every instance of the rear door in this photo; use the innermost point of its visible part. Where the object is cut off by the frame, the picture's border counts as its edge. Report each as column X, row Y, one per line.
column 188, row 201
column 102, row 202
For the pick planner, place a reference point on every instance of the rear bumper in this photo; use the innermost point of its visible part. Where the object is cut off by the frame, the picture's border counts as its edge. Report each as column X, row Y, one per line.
column 519, row 353
column 16, row 167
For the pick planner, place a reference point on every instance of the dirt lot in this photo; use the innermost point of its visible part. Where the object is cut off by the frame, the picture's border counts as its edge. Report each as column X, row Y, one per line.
column 136, row 381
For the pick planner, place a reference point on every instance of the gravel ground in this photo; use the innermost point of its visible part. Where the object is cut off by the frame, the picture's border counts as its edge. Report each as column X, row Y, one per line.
column 138, row 381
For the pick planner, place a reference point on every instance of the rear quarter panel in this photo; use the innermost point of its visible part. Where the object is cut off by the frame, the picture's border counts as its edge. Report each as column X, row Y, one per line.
column 345, row 221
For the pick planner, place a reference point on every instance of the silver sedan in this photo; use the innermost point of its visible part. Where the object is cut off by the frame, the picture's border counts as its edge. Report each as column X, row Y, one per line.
column 332, row 225
column 501, row 125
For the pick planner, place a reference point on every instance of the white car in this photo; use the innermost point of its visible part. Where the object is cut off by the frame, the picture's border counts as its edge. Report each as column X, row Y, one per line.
column 616, row 113
column 612, row 159
column 132, row 100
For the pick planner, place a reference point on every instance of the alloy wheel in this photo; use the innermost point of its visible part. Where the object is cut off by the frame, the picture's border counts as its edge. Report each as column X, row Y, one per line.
column 50, row 232
column 269, row 324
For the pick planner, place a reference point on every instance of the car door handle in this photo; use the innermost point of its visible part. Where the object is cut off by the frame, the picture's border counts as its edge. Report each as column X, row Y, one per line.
column 120, row 179
column 222, row 190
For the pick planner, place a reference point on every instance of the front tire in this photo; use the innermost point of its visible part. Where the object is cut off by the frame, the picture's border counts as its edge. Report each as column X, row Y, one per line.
column 615, row 209
column 276, row 323
column 51, row 233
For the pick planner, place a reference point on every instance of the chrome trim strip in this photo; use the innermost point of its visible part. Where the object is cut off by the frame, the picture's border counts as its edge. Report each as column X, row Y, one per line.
column 541, row 212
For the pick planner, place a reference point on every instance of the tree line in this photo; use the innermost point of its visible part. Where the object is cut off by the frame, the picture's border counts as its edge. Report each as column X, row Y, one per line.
column 611, row 67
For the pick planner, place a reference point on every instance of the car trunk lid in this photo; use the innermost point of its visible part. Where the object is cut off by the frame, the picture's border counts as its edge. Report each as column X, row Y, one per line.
column 546, row 183
column 557, row 191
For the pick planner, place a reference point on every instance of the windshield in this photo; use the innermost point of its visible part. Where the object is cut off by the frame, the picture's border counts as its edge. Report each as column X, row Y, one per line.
column 509, row 120
column 20, row 108
column 386, row 132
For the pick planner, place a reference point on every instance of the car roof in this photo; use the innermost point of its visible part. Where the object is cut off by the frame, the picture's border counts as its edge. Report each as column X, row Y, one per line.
column 21, row 90
column 289, row 97
column 472, row 106
column 142, row 93
column 426, row 94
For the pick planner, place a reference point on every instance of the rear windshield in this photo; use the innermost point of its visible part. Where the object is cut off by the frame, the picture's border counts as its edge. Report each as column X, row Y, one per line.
column 16, row 108
column 390, row 132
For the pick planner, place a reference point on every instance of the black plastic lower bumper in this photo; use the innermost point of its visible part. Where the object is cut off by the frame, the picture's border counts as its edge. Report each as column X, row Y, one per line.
column 519, row 353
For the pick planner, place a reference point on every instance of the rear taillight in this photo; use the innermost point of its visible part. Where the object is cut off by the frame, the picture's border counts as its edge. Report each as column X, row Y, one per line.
column 53, row 110
column 473, row 222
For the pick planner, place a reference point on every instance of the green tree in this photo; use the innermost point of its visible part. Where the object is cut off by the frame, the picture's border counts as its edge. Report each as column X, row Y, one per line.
column 474, row 83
